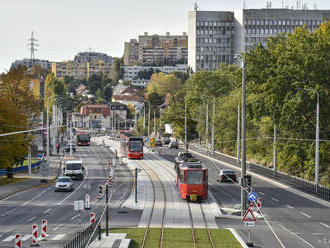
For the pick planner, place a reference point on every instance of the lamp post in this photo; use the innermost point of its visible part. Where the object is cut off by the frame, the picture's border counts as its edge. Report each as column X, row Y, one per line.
column 317, row 135
column 243, row 164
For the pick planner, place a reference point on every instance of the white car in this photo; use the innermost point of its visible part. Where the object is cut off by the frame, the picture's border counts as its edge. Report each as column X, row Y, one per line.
column 63, row 184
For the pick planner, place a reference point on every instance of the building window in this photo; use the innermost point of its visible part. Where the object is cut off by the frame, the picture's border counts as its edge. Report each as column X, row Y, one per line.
column 266, row 22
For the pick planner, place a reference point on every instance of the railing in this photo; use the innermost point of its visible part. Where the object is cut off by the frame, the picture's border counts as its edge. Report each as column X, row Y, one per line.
column 86, row 237
column 298, row 183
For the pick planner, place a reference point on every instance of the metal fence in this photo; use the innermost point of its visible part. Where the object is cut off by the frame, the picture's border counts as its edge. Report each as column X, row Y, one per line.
column 86, row 237
column 296, row 182
column 20, row 169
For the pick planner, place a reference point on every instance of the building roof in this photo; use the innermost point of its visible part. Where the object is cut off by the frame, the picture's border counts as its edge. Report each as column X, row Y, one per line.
column 80, row 89
column 119, row 88
column 127, row 98
column 95, row 106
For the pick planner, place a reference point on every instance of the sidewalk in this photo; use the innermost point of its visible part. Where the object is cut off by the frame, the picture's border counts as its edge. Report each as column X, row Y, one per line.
column 33, row 181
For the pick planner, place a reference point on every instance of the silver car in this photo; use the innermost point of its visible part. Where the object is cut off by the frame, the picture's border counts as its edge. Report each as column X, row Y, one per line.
column 63, row 184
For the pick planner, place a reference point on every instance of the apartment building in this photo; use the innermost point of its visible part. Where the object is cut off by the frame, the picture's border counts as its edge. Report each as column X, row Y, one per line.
column 80, row 70
column 29, row 63
column 216, row 36
column 156, row 49
column 131, row 72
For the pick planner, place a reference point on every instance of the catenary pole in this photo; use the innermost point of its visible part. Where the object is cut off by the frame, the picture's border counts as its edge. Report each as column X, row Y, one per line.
column 243, row 164
column 274, row 151
column 207, row 125
column 238, row 134
column 213, row 118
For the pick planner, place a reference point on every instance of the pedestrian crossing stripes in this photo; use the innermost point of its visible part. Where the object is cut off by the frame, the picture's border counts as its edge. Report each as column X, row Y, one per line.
column 29, row 236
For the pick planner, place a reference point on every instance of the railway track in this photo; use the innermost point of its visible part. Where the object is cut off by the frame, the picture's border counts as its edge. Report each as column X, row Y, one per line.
column 168, row 168
column 154, row 179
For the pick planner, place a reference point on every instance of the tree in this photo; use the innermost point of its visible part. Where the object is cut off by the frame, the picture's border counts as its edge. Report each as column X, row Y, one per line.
column 17, row 106
column 118, row 70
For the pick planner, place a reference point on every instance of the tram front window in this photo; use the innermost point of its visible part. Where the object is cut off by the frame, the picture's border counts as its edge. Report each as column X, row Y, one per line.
column 135, row 146
column 194, row 177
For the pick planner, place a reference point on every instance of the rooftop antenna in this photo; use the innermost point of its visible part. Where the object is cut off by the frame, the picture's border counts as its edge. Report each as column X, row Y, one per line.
column 195, row 7
column 244, row 4
column 282, row 4
column 32, row 47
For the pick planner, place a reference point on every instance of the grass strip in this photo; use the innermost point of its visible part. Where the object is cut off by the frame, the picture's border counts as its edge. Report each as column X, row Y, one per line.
column 223, row 238
column 4, row 181
column 177, row 237
column 202, row 239
column 135, row 234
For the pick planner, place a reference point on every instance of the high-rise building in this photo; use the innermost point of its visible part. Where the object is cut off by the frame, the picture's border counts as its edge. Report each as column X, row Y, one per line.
column 84, row 57
column 216, row 36
column 156, row 49
column 44, row 64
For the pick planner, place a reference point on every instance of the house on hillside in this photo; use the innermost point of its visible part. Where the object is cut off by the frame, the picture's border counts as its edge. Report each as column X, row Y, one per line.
column 82, row 90
column 128, row 96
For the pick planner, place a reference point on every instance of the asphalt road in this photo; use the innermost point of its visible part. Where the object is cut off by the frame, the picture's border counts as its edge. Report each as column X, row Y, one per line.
column 21, row 210
column 297, row 221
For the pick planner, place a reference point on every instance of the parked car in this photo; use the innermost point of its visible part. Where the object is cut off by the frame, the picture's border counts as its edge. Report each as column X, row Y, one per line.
column 173, row 144
column 63, row 184
column 67, row 148
column 227, row 176
column 158, row 142
column 166, row 140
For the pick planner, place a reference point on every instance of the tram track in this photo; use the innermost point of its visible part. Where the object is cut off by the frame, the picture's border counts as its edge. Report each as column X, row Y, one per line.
column 153, row 175
column 167, row 168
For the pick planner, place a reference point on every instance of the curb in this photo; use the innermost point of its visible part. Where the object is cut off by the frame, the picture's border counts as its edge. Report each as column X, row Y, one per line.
column 238, row 237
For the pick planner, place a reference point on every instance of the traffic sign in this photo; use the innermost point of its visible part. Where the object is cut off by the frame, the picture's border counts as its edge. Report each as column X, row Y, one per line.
column 249, row 216
column 252, row 197
column 249, row 224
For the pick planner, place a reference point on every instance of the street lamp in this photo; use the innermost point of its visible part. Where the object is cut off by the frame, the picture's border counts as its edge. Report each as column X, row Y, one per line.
column 317, row 135
column 243, row 164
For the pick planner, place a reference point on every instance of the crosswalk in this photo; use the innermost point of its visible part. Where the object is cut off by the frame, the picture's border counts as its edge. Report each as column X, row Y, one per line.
column 29, row 236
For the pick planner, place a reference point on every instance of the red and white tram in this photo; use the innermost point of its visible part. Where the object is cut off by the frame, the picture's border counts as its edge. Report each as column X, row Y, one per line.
column 131, row 147
column 192, row 181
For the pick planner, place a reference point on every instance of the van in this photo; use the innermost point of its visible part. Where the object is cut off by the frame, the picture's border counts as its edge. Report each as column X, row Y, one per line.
column 74, row 169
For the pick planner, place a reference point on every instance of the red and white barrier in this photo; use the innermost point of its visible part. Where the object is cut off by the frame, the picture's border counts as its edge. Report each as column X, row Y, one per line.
column 18, row 242
column 92, row 218
column 43, row 229
column 34, row 234
column 259, row 203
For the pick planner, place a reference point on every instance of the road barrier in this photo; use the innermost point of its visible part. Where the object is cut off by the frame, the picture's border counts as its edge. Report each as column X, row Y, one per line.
column 92, row 218
column 296, row 182
column 82, row 238
column 43, row 229
column 13, row 170
column 34, row 234
column 18, row 242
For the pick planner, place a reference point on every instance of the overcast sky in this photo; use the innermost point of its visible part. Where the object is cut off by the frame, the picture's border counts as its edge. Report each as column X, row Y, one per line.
column 65, row 27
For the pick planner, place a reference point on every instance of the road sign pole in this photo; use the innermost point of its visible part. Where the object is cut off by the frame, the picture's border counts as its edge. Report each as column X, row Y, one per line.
column 107, row 209
column 135, row 185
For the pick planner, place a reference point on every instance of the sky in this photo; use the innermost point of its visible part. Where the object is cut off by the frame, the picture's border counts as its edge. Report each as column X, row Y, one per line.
column 65, row 27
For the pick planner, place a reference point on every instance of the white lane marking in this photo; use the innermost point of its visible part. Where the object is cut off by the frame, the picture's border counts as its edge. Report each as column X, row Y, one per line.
column 261, row 193
column 305, row 214
column 26, row 237
column 10, row 238
column 73, row 217
column 297, row 236
column 47, row 210
column 58, row 237
column 275, row 199
column 289, row 206
column 58, row 227
column 323, row 224
column 317, row 233
column 31, row 219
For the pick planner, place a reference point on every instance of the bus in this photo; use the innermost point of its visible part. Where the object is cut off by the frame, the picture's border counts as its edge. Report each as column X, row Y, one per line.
column 130, row 146
column 83, row 139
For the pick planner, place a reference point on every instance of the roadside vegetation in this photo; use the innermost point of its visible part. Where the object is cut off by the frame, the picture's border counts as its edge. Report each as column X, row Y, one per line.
column 276, row 77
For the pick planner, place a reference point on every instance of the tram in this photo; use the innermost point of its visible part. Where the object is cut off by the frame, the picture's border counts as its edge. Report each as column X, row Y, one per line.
column 130, row 146
column 192, row 181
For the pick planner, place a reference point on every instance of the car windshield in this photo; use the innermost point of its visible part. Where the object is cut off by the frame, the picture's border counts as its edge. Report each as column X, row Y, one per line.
column 73, row 166
column 194, row 176
column 63, row 180
column 229, row 172
column 135, row 146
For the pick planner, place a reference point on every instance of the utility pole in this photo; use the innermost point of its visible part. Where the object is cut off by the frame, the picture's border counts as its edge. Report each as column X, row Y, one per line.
column 238, row 133
column 144, row 119
column 185, row 125
column 149, row 122
column 207, row 125
column 213, row 117
column 29, row 159
column 243, row 165
column 274, row 151
column 317, row 158
column 71, row 138
column 107, row 209
column 155, row 124
column 136, row 184
column 47, row 149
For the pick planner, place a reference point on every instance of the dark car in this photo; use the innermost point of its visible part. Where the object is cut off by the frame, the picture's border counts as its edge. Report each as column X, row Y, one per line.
column 173, row 144
column 158, row 142
column 166, row 140
column 67, row 148
column 182, row 157
column 227, row 176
